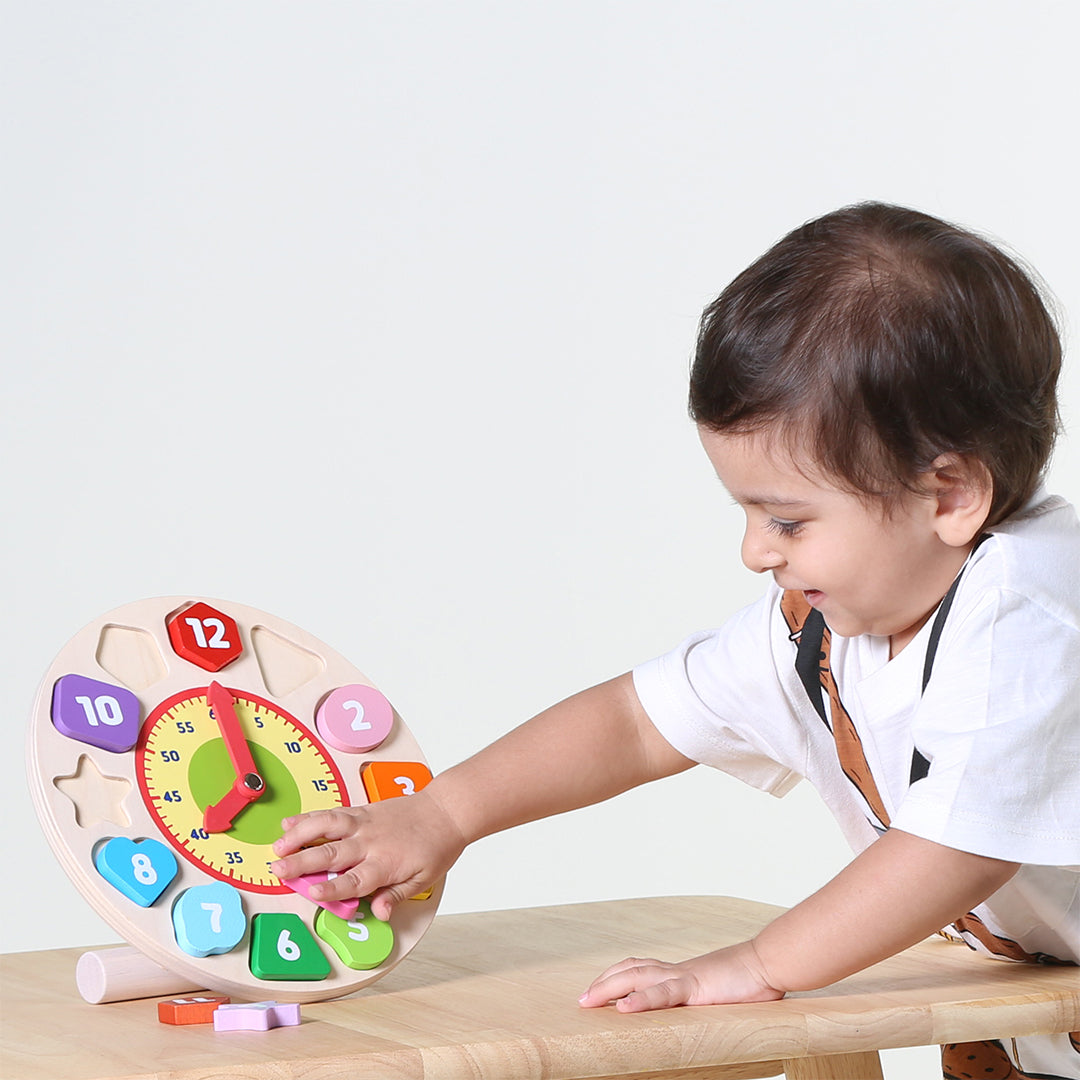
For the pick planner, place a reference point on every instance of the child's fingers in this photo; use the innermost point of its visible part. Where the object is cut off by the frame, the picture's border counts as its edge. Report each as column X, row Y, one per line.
column 636, row 985
column 304, row 829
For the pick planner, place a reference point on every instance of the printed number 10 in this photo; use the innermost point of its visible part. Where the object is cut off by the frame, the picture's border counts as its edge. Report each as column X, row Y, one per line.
column 104, row 709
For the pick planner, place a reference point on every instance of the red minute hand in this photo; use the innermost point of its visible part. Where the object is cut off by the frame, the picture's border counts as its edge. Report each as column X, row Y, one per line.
column 249, row 784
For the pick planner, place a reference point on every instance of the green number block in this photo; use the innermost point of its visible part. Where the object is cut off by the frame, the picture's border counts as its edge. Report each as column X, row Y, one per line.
column 362, row 942
column 282, row 948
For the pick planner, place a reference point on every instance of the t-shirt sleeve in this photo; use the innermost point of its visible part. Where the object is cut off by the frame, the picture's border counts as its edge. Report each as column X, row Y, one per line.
column 718, row 699
column 1000, row 725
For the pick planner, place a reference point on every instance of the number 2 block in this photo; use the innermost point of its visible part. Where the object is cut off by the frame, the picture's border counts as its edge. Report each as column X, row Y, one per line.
column 209, row 919
column 282, row 948
column 355, row 718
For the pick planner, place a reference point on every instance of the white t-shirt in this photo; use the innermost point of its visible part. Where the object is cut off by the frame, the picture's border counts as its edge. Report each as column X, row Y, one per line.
column 999, row 720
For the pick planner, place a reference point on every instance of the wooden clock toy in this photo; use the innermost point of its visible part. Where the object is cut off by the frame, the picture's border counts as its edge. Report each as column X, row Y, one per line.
column 168, row 740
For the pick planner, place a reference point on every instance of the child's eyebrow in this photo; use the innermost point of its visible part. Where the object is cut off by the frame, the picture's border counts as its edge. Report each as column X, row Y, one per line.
column 767, row 500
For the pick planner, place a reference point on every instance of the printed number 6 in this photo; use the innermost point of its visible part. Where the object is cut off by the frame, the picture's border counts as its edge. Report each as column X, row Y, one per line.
column 286, row 947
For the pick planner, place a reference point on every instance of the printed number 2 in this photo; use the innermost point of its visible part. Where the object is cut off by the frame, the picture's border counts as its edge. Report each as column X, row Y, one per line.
column 199, row 628
column 358, row 723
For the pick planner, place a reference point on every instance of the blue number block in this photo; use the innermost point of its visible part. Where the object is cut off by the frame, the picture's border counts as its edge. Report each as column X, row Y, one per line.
column 209, row 919
column 140, row 870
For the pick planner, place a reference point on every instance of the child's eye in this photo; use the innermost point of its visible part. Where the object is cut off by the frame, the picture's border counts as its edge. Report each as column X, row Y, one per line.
column 784, row 528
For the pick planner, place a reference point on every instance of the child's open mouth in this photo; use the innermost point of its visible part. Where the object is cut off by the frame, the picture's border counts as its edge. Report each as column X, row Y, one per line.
column 813, row 596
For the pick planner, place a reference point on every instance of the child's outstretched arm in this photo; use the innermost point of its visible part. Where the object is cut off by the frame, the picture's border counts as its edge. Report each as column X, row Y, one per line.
column 601, row 739
column 898, row 891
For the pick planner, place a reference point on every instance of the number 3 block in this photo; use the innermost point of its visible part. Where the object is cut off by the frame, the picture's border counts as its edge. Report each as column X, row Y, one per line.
column 392, row 779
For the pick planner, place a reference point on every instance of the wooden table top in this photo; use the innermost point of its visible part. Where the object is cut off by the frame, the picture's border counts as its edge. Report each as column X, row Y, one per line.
column 493, row 995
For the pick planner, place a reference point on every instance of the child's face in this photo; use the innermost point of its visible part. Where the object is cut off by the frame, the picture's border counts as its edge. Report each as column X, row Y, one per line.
column 865, row 570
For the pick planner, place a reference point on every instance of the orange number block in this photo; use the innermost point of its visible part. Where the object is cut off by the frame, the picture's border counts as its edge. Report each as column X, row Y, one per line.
column 190, row 1010
column 391, row 779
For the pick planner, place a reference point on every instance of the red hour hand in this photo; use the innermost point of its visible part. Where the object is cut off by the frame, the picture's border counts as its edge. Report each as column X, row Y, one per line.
column 249, row 785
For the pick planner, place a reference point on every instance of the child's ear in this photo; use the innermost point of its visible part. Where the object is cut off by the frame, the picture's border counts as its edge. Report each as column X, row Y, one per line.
column 963, row 490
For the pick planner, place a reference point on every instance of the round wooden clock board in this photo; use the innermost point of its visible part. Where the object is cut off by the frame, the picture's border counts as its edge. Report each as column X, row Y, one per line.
column 168, row 740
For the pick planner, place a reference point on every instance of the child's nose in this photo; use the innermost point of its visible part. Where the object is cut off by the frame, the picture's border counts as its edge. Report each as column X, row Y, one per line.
column 759, row 555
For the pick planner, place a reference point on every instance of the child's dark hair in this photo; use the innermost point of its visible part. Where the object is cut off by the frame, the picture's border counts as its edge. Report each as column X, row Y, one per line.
column 879, row 338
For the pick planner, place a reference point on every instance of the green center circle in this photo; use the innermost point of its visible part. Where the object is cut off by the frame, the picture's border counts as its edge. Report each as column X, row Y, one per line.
column 211, row 774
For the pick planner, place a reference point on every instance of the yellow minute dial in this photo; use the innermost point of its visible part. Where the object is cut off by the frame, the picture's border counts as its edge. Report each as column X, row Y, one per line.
column 183, row 765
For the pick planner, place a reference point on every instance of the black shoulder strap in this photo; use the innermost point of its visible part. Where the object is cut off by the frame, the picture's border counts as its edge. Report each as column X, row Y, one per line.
column 808, row 659
column 919, row 765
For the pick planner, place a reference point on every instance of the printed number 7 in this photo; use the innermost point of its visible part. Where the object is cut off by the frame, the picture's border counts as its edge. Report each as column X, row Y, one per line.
column 215, row 916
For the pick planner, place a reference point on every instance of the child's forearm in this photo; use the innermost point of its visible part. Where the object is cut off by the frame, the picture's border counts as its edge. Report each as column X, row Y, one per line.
column 579, row 752
column 583, row 750
column 898, row 891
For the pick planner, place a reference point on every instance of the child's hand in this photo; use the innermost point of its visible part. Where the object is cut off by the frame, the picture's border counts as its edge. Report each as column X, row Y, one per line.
column 389, row 850
column 717, row 978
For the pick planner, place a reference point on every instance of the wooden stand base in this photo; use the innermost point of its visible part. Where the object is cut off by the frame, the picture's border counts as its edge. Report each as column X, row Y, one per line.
column 124, row 973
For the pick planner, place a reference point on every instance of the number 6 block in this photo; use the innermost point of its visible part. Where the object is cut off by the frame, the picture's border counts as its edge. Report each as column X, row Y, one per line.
column 282, row 948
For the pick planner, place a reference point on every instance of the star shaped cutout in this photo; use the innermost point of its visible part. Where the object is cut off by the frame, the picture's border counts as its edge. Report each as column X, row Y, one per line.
column 96, row 797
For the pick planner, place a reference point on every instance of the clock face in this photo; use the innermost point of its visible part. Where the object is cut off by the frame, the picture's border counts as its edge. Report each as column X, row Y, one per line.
column 168, row 741
column 183, row 766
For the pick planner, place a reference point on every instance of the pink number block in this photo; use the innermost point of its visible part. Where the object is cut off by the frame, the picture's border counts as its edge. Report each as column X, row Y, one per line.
column 259, row 1016
column 344, row 909
column 355, row 718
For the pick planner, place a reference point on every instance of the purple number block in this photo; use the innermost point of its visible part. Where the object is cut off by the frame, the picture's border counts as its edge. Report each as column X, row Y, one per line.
column 98, row 713
column 259, row 1016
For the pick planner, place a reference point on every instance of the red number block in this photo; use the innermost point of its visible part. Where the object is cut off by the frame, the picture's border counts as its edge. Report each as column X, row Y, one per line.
column 205, row 636
column 191, row 1010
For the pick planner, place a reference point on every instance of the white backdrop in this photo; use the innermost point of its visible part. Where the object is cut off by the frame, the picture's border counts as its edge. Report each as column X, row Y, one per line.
column 377, row 316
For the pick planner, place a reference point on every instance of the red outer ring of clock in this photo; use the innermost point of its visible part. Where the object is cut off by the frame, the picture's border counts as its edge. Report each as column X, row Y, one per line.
column 140, row 772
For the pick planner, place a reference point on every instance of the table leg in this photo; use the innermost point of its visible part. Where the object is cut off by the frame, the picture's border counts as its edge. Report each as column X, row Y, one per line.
column 835, row 1067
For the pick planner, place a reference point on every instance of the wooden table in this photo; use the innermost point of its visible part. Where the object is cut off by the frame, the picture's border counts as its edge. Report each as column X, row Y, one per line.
column 493, row 996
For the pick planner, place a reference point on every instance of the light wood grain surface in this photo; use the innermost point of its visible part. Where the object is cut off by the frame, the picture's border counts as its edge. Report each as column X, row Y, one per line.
column 493, row 996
